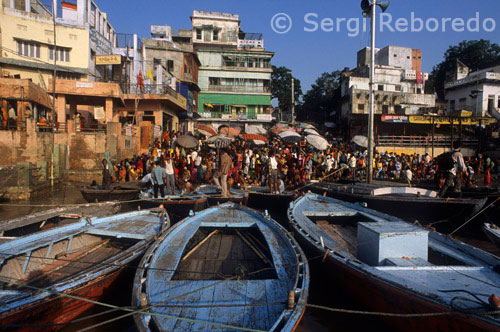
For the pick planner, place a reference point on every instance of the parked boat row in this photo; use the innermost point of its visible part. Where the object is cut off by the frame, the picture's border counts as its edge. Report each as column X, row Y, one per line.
column 229, row 267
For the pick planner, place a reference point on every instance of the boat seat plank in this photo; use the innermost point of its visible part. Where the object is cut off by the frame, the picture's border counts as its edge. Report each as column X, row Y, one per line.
column 460, row 256
column 344, row 237
column 202, row 297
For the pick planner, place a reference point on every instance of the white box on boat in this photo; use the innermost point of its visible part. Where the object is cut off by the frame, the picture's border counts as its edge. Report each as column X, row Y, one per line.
column 380, row 240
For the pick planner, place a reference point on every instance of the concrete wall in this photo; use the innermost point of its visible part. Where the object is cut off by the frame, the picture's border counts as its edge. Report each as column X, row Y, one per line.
column 226, row 24
column 478, row 105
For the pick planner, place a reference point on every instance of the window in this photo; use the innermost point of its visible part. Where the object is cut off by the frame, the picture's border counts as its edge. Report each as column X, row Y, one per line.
column 398, row 87
column 419, row 91
column 361, row 107
column 198, row 33
column 461, row 103
column 395, row 55
column 230, row 36
column 380, row 88
column 498, row 103
column 170, row 65
column 28, row 49
column 62, row 54
column 452, row 105
column 385, row 109
column 216, row 35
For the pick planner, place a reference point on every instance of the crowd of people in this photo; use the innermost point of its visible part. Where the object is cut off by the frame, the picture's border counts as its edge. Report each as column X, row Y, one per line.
column 282, row 166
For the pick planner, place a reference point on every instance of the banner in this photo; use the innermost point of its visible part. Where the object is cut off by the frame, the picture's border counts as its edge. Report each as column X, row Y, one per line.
column 99, row 113
column 128, row 131
column 446, row 120
column 395, row 118
column 157, row 131
column 112, row 59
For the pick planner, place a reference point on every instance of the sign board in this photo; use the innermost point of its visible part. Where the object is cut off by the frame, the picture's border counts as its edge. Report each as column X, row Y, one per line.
column 157, row 131
column 99, row 113
column 446, row 120
column 128, row 131
column 112, row 59
column 264, row 117
column 395, row 118
column 85, row 85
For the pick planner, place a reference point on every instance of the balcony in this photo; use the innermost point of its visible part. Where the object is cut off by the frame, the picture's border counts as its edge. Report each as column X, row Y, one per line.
column 239, row 88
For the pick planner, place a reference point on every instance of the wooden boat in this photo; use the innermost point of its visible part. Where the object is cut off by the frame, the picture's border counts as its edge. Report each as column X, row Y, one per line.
column 178, row 206
column 47, row 219
column 40, row 273
column 492, row 231
column 225, row 267
column 390, row 266
column 215, row 197
column 100, row 195
column 260, row 197
column 411, row 204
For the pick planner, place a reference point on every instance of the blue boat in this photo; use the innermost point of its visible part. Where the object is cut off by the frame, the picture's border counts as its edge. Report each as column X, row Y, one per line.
column 492, row 231
column 40, row 273
column 390, row 266
column 223, row 269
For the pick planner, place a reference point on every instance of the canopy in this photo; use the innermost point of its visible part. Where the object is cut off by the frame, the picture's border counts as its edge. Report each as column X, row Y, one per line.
column 360, row 140
column 220, row 141
column 255, row 129
column 232, row 130
column 187, row 141
column 249, row 137
column 288, row 133
column 206, row 130
column 290, row 137
column 310, row 131
column 317, row 142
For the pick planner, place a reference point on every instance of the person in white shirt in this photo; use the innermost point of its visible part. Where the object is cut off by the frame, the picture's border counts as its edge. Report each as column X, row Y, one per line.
column 273, row 174
column 169, row 170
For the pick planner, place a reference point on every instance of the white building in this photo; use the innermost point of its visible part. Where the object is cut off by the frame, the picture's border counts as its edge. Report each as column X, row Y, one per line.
column 478, row 92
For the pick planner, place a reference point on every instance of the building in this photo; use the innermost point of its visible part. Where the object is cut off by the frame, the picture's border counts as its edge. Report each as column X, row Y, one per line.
column 173, row 64
column 399, row 88
column 27, row 40
column 235, row 72
column 477, row 92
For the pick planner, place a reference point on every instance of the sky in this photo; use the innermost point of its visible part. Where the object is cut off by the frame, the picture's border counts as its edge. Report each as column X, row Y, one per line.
column 320, row 39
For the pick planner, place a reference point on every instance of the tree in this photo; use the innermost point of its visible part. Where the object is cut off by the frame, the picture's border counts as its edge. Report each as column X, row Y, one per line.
column 322, row 98
column 476, row 54
column 281, row 87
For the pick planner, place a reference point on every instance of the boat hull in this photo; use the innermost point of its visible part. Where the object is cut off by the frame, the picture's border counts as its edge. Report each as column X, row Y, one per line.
column 96, row 195
column 54, row 312
column 376, row 296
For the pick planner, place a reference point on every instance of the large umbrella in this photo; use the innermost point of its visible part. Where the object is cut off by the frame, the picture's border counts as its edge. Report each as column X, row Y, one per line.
column 255, row 129
column 317, row 142
column 360, row 140
column 290, row 137
column 306, row 125
column 206, row 130
column 187, row 141
column 310, row 131
column 220, row 141
column 258, row 142
column 233, row 130
column 249, row 137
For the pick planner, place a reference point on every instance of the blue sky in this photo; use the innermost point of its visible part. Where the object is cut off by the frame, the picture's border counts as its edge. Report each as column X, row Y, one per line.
column 309, row 54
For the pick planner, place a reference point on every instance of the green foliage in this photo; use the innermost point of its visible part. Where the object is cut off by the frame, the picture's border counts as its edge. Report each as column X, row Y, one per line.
column 476, row 54
column 281, row 87
column 322, row 98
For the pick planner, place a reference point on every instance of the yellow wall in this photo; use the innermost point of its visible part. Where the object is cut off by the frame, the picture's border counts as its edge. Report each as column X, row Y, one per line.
column 32, row 27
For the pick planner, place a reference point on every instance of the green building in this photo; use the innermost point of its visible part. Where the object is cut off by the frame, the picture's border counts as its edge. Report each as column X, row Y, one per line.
column 235, row 72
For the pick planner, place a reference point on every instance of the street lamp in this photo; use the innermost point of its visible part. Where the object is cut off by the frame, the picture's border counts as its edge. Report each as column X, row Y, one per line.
column 293, row 98
column 369, row 10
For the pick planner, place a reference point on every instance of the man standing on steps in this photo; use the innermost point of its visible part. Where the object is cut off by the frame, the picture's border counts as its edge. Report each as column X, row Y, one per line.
column 454, row 174
column 158, row 175
column 225, row 165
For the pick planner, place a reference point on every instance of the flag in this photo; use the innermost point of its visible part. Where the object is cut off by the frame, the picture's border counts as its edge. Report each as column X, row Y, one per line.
column 150, row 74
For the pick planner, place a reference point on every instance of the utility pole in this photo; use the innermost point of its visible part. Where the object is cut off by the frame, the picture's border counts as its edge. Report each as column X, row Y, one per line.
column 293, row 100
column 54, row 52
column 369, row 9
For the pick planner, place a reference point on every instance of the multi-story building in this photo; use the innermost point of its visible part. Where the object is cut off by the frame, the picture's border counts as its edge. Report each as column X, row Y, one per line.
column 477, row 92
column 399, row 86
column 27, row 40
column 173, row 64
column 235, row 72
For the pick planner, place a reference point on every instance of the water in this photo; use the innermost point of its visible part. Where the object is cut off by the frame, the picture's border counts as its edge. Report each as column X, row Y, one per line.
column 314, row 319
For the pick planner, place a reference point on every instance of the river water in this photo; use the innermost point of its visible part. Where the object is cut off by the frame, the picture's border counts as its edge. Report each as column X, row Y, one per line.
column 314, row 319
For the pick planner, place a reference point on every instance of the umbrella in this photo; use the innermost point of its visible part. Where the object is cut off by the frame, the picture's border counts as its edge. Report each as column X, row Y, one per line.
column 254, row 129
column 233, row 130
column 317, row 142
column 187, row 141
column 329, row 125
column 306, row 125
column 220, row 141
column 258, row 142
column 249, row 137
column 290, row 137
column 360, row 140
column 206, row 130
column 310, row 131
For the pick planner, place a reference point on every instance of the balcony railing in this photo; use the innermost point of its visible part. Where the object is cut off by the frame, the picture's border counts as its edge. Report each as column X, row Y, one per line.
column 154, row 89
column 238, row 88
